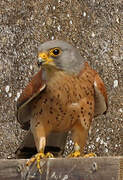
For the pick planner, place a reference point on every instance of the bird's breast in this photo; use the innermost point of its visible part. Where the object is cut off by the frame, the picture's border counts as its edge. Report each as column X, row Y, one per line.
column 59, row 104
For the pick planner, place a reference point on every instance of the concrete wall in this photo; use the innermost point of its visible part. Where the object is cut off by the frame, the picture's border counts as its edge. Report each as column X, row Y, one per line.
column 93, row 26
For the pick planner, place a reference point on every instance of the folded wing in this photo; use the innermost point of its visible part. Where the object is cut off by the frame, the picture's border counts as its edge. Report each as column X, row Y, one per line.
column 31, row 91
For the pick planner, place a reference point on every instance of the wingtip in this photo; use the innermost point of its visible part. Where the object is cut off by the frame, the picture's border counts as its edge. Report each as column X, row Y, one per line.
column 101, row 87
column 101, row 100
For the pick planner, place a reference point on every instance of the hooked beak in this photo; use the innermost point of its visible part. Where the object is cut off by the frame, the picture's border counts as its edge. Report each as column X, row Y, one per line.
column 43, row 59
column 40, row 62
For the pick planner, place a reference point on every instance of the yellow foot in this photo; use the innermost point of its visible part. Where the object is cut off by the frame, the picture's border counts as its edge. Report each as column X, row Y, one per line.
column 76, row 152
column 37, row 158
column 90, row 155
column 49, row 155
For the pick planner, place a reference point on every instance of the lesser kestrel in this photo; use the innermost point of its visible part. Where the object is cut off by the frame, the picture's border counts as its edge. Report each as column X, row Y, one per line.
column 64, row 95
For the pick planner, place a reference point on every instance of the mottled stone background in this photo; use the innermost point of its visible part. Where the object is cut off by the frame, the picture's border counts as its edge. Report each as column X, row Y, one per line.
column 93, row 26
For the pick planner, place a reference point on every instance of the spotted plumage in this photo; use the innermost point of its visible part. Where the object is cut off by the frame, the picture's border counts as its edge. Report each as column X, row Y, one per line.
column 69, row 94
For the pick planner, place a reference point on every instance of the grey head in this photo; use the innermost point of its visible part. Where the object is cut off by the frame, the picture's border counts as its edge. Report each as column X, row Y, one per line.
column 69, row 60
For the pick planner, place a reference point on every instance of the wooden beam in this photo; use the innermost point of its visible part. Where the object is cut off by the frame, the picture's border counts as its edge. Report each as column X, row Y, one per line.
column 97, row 168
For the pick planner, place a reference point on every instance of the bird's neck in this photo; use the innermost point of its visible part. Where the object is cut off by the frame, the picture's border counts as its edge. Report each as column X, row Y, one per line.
column 51, row 74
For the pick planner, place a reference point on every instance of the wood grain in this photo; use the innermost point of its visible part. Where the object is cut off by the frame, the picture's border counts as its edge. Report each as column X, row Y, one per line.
column 98, row 168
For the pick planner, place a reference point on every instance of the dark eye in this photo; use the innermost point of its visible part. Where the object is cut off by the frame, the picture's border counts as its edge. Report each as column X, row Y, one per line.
column 56, row 52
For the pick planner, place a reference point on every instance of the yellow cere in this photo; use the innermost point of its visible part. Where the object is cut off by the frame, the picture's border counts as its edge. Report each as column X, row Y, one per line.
column 45, row 56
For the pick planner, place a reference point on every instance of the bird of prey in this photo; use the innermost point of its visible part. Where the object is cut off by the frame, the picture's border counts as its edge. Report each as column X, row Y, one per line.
column 66, row 94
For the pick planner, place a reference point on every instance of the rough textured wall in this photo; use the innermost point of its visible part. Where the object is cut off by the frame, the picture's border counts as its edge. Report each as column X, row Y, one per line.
column 93, row 26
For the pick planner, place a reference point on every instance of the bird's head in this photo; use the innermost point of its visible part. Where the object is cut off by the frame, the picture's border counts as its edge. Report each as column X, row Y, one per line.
column 59, row 55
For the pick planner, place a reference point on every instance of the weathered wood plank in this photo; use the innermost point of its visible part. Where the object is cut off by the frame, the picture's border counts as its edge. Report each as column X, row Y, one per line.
column 98, row 168
column 10, row 169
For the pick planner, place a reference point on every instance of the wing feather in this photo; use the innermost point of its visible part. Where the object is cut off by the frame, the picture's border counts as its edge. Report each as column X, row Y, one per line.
column 100, row 93
column 31, row 91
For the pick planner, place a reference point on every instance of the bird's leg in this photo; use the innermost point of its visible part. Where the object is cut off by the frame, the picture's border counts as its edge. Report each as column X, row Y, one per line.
column 76, row 152
column 79, row 136
column 40, row 155
column 39, row 134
